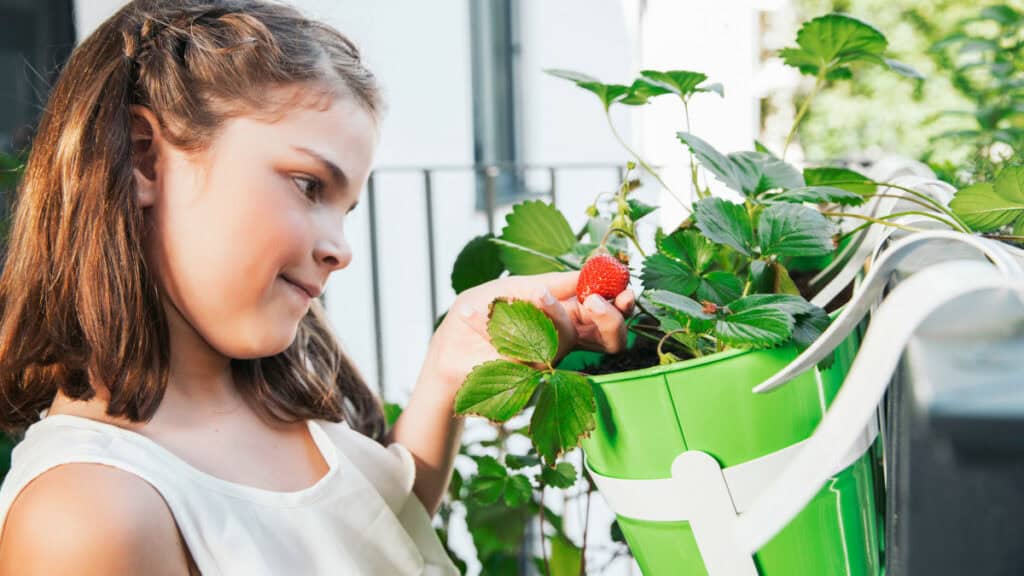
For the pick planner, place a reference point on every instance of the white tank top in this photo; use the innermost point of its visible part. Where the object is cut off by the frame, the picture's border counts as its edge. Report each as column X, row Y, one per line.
column 360, row 518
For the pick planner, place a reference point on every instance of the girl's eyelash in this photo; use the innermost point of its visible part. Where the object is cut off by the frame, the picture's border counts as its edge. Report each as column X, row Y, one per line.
column 315, row 186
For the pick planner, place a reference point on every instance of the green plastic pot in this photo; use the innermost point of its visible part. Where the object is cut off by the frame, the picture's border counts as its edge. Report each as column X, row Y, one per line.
column 648, row 417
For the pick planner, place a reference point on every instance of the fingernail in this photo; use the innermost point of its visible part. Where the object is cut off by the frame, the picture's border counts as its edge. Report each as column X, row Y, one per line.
column 467, row 311
column 548, row 298
column 596, row 304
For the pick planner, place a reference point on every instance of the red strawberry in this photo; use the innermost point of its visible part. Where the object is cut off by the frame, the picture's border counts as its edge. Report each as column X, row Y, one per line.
column 602, row 274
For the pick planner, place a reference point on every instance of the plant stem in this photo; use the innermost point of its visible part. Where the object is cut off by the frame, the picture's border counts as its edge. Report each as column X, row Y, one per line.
column 693, row 162
column 642, row 163
column 872, row 220
column 1005, row 237
column 963, row 227
column 818, row 83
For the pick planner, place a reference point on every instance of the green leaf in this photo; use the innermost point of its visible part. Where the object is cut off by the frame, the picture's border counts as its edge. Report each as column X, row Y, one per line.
column 783, row 283
column 391, row 412
column 759, row 172
column 488, row 484
column 682, row 83
column 638, row 209
column 761, row 276
column 662, row 272
column 726, row 223
column 518, row 490
column 522, row 331
column 561, row 476
column 497, row 390
column 684, row 305
column 690, row 247
column 809, row 325
column 537, row 262
column 566, row 557
column 719, row 287
column 563, row 415
column 478, row 262
column 794, row 230
column 839, row 178
column 829, row 42
column 816, row 195
column 608, row 93
column 516, row 462
column 712, row 160
column 749, row 173
column 752, row 324
column 987, row 207
column 538, row 226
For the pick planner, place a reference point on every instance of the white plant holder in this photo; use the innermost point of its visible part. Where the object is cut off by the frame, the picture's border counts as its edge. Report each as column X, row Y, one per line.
column 735, row 511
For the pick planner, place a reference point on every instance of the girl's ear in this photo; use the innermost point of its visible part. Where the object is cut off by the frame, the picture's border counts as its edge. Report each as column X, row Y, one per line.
column 146, row 141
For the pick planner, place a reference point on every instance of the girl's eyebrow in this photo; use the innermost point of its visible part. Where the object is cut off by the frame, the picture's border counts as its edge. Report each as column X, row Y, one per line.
column 337, row 174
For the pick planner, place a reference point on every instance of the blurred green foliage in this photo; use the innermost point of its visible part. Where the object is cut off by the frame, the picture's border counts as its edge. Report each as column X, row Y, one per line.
column 883, row 112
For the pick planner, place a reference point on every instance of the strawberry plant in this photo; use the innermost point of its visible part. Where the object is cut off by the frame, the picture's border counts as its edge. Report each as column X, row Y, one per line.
column 728, row 276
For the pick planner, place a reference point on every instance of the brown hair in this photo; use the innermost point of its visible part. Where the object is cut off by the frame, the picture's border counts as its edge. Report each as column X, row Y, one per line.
column 78, row 307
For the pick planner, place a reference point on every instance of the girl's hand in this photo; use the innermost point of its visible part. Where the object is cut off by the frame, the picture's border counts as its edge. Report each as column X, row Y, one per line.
column 461, row 341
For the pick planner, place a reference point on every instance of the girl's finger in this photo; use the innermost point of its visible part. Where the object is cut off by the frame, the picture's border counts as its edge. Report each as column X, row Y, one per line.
column 625, row 302
column 475, row 319
column 547, row 302
column 611, row 328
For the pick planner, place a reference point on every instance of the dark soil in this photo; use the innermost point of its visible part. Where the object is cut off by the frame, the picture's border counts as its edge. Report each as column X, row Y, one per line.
column 644, row 352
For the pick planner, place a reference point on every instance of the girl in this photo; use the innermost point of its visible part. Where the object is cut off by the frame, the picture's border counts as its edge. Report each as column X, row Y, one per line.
column 187, row 409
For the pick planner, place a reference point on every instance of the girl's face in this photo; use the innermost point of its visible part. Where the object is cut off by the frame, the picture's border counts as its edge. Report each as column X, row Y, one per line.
column 244, row 235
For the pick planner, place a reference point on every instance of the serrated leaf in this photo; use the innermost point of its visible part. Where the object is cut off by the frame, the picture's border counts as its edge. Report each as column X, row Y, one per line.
column 749, row 173
column 839, row 178
column 828, row 42
column 478, row 262
column 816, row 195
column 517, row 462
column 761, row 276
column 488, row 484
column 561, row 476
column 726, row 223
column 788, row 303
column 538, row 226
column 682, row 83
column 794, row 230
column 712, row 160
column 688, row 246
column 518, row 490
column 564, row 414
column 719, row 287
column 641, row 91
column 497, row 390
column 984, row 209
column 522, row 331
column 638, row 209
column 808, row 326
column 759, row 172
column 749, row 325
column 684, row 305
column 664, row 273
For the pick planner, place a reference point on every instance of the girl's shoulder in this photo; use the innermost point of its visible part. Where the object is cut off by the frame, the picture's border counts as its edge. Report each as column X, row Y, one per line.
column 90, row 518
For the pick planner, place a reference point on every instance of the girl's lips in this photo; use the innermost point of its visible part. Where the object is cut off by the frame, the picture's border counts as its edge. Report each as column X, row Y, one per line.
column 298, row 288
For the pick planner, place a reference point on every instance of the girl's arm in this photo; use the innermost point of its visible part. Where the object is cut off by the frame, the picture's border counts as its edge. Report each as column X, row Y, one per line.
column 428, row 426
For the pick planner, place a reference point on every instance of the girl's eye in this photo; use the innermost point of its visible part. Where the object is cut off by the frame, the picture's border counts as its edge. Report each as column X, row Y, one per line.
column 311, row 187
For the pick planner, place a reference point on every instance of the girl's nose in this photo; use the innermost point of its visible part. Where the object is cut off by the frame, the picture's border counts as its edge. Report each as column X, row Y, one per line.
column 333, row 252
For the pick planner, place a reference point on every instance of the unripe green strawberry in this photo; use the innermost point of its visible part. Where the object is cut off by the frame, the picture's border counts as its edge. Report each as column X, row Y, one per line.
column 602, row 274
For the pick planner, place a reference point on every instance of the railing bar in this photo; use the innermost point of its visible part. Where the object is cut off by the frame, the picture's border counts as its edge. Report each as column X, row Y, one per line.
column 552, row 176
column 428, row 189
column 490, row 191
column 378, row 325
